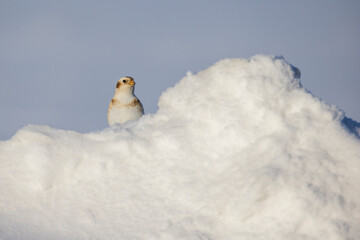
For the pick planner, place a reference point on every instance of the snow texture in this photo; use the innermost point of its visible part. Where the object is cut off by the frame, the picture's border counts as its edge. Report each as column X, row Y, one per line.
column 238, row 151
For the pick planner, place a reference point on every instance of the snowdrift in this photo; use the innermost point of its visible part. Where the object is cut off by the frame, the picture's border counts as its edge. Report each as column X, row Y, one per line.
column 237, row 151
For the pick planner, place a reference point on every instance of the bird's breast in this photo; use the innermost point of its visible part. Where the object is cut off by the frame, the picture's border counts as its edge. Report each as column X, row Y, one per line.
column 115, row 103
column 120, row 112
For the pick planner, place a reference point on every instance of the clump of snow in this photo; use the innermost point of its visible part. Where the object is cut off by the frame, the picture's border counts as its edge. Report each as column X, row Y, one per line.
column 237, row 151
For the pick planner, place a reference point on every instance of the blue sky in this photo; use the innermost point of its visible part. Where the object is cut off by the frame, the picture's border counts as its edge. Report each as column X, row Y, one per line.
column 60, row 60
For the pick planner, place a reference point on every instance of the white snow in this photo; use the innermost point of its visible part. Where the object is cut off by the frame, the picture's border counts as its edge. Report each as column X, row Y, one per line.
column 237, row 151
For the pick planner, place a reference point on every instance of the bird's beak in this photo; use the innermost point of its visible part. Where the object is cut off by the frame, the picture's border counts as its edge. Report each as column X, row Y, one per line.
column 132, row 82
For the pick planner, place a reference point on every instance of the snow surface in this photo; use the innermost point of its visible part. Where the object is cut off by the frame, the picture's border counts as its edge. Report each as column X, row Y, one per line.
column 238, row 151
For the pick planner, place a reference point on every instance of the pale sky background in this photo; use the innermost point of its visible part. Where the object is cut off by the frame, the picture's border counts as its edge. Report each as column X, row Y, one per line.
column 60, row 60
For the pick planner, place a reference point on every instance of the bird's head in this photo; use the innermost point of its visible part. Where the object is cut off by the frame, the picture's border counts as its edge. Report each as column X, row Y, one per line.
column 125, row 84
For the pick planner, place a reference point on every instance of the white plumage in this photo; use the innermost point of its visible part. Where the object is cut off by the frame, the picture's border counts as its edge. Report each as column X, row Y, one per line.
column 124, row 106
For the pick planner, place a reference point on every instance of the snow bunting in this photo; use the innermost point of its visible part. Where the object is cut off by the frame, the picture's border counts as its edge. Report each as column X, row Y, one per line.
column 124, row 106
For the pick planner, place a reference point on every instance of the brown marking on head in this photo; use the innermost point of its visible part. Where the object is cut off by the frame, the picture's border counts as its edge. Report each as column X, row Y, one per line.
column 118, row 84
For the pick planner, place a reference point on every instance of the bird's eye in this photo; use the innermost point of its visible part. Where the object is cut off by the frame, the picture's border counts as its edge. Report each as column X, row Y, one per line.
column 124, row 81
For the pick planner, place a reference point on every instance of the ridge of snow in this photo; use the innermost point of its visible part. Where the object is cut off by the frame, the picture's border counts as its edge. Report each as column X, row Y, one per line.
column 237, row 151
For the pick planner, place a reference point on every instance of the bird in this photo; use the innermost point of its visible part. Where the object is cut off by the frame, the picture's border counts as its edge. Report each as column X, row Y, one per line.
column 124, row 106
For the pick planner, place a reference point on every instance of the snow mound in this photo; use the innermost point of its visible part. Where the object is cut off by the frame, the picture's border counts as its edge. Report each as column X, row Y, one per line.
column 237, row 151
